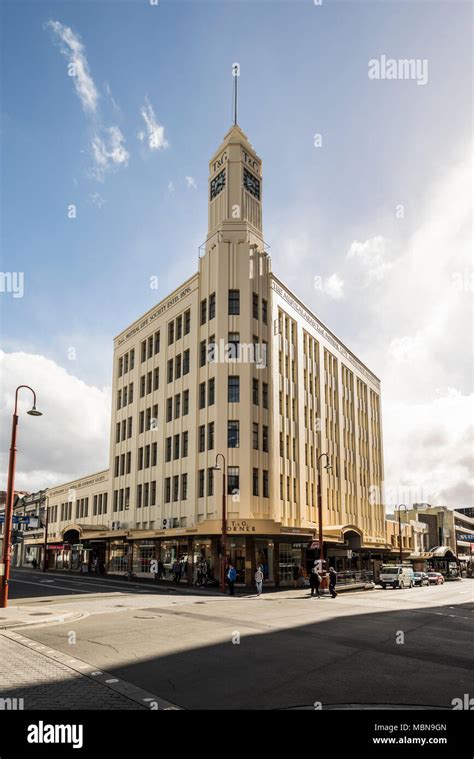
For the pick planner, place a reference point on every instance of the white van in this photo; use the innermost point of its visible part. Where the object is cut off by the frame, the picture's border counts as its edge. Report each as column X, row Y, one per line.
column 396, row 575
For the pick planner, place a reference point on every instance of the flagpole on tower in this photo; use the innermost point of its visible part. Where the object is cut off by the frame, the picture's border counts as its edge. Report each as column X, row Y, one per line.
column 235, row 74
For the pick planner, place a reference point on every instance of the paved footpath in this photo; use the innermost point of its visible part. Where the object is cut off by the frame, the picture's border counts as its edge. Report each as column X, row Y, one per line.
column 45, row 681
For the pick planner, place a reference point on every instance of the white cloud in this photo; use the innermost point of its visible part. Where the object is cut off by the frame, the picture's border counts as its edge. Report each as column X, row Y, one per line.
column 155, row 132
column 334, row 287
column 97, row 199
column 170, row 186
column 108, row 151
column 372, row 256
column 70, row 440
column 191, row 182
column 73, row 49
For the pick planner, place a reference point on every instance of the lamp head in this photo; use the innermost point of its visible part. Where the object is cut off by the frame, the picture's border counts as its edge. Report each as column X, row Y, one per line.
column 34, row 412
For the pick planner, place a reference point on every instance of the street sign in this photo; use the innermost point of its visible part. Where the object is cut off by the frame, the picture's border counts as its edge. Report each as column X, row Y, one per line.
column 16, row 519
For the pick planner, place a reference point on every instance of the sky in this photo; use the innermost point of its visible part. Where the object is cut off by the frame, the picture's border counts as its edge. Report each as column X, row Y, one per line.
column 110, row 112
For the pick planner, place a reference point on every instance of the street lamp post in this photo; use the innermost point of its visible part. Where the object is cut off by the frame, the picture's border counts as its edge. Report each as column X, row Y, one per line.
column 46, row 525
column 400, row 529
column 217, row 468
column 6, row 558
column 320, row 509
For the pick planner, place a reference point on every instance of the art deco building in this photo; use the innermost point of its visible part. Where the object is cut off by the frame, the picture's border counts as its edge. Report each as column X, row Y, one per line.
column 231, row 362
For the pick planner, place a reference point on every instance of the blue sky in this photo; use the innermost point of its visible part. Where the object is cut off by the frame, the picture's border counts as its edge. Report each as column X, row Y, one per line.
column 329, row 211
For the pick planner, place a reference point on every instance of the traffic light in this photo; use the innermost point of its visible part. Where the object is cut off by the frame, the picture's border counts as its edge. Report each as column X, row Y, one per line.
column 17, row 537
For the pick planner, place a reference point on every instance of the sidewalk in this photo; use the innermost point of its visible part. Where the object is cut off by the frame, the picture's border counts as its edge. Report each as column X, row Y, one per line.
column 31, row 679
column 22, row 616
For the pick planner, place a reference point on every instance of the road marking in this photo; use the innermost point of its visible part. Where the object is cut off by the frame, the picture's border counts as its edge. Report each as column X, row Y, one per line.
column 61, row 587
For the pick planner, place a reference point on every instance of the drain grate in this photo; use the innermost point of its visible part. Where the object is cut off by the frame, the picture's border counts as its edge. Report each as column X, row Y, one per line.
column 40, row 613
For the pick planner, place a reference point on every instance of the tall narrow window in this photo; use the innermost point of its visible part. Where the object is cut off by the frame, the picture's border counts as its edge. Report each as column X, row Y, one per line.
column 210, row 436
column 210, row 481
column 264, row 311
column 255, row 482
column 170, row 370
column 184, row 487
column 255, row 436
column 233, row 436
column 176, row 487
column 179, row 327
column 203, row 311
column 234, row 302
column 202, row 395
column 186, row 362
column 233, row 480
column 265, row 394
column 143, row 351
column 186, row 402
column 187, row 322
column 201, row 483
column 211, row 392
column 233, row 389
column 171, row 333
column 255, row 306
column 265, row 484
column 265, row 438
column 202, row 438
column 255, row 392
column 157, row 342
column 212, row 306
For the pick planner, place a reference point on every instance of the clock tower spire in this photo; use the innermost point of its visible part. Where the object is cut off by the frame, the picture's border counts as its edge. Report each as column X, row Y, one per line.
column 235, row 181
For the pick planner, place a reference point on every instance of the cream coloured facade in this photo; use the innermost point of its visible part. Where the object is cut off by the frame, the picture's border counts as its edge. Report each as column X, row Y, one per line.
column 232, row 362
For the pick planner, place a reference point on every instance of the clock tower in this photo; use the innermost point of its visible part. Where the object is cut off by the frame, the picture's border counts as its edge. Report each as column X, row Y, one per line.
column 235, row 185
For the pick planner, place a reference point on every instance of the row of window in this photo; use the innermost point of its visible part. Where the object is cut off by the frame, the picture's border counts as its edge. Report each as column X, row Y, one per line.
column 179, row 366
column 202, row 437
column 126, row 362
column 125, row 396
column 123, row 464
column 150, row 347
column 148, row 456
column 172, row 489
column 181, row 400
column 149, row 382
column 255, row 308
column 256, row 482
column 212, row 308
column 148, row 419
column 173, row 447
column 123, row 429
column 211, row 393
column 175, row 327
column 233, row 481
column 100, row 504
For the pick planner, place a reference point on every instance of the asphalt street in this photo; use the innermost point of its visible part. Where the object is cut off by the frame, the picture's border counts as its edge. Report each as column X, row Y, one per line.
column 284, row 650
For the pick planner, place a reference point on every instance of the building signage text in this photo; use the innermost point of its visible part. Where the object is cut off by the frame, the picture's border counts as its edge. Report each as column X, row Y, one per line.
column 322, row 331
column 151, row 317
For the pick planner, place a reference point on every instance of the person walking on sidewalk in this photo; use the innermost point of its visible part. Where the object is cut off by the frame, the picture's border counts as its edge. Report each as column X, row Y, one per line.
column 332, row 582
column 315, row 580
column 259, row 580
column 231, row 578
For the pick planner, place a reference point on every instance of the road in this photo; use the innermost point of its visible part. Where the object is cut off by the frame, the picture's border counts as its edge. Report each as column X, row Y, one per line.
column 284, row 650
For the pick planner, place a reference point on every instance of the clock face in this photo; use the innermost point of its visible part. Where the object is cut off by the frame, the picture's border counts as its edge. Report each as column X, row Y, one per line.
column 252, row 184
column 217, row 184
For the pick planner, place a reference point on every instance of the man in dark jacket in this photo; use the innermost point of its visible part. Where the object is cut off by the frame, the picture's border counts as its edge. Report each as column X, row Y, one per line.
column 332, row 582
column 315, row 580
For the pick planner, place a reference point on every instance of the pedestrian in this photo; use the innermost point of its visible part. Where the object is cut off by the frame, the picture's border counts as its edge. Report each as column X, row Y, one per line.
column 231, row 578
column 176, row 572
column 34, row 563
column 332, row 582
column 315, row 580
column 301, row 577
column 296, row 571
column 259, row 580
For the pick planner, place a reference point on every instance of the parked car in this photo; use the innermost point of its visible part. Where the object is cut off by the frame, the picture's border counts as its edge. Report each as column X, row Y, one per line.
column 421, row 578
column 435, row 578
column 396, row 575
